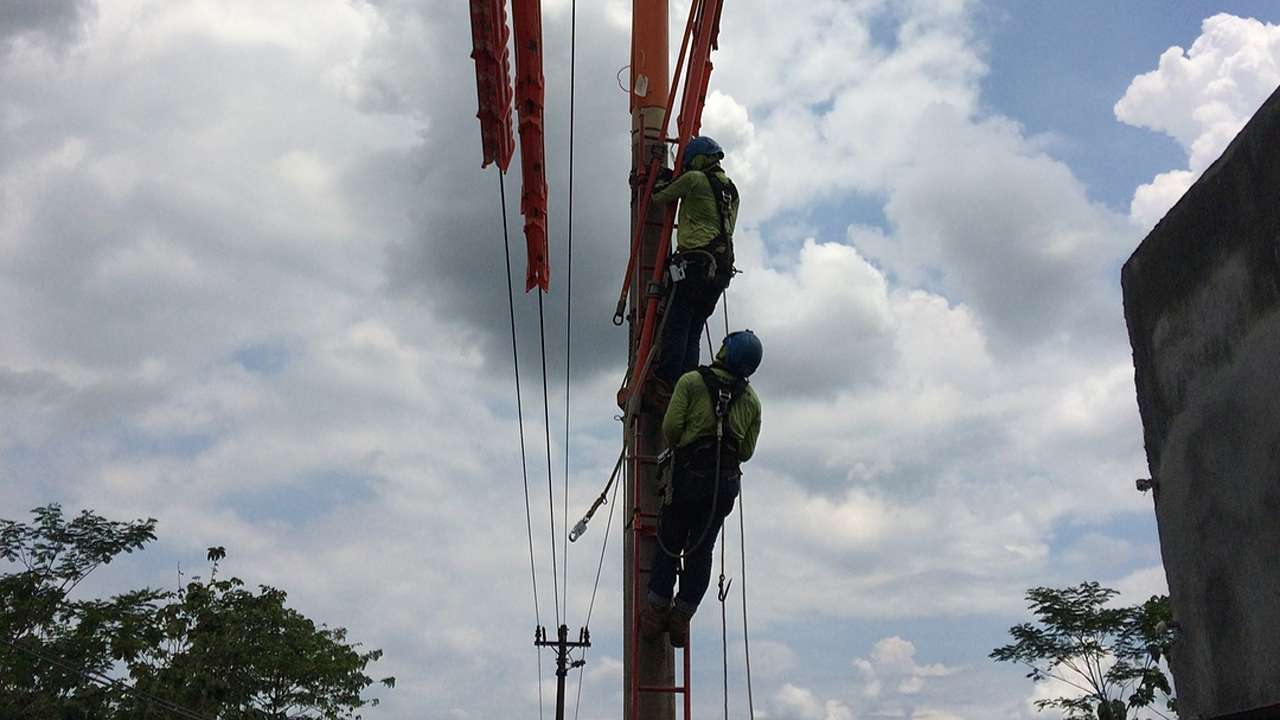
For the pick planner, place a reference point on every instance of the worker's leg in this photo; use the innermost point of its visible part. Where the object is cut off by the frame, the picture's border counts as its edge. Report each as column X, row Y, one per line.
column 698, row 558
column 673, row 531
column 701, row 308
column 675, row 333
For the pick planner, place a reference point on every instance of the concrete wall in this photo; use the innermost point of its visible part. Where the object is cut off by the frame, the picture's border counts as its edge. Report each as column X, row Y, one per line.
column 1202, row 301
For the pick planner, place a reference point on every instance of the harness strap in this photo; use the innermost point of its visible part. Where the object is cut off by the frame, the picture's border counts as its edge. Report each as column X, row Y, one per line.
column 725, row 193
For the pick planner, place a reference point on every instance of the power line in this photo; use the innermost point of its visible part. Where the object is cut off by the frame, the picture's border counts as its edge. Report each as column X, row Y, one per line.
column 568, row 273
column 524, row 465
column 546, row 424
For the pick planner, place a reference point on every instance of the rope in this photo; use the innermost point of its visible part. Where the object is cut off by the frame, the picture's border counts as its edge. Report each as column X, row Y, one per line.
column 613, row 503
column 546, row 425
column 524, row 465
column 568, row 303
column 100, row 679
column 724, row 625
column 724, row 305
column 746, row 641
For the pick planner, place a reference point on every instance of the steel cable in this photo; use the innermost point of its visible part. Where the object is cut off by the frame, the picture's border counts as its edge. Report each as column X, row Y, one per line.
column 524, row 465
column 568, row 302
column 546, row 425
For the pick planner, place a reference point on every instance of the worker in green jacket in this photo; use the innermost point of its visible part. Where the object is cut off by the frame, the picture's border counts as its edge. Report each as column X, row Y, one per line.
column 702, row 265
column 711, row 423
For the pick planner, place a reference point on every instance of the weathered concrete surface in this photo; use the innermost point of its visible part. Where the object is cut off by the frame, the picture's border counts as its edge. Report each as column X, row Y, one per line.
column 1202, row 302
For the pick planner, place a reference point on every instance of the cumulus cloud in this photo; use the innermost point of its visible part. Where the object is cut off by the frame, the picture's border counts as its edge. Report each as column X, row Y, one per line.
column 792, row 702
column 892, row 669
column 251, row 280
column 1201, row 97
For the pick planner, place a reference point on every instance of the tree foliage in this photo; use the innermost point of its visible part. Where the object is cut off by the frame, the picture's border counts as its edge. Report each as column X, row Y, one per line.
column 213, row 647
column 1111, row 654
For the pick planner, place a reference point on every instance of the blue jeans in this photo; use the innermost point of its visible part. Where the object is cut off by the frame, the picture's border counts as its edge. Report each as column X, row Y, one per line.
column 692, row 302
column 690, row 524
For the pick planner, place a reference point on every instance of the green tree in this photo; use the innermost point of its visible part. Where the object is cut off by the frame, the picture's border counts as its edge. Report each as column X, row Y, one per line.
column 38, row 618
column 213, row 647
column 1110, row 654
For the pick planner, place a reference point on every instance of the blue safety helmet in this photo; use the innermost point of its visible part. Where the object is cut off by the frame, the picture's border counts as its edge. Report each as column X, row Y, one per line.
column 741, row 353
column 701, row 145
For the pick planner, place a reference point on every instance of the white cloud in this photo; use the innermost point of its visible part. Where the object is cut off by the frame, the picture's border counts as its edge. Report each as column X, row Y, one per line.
column 891, row 670
column 249, row 275
column 797, row 703
column 1201, row 97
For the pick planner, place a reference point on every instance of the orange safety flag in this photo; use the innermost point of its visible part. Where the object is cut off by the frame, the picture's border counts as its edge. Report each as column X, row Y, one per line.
column 527, row 16
column 489, row 37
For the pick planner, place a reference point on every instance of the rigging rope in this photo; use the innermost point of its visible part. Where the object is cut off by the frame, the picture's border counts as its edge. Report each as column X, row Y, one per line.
column 724, row 305
column 746, row 642
column 724, row 625
column 613, row 503
column 524, row 465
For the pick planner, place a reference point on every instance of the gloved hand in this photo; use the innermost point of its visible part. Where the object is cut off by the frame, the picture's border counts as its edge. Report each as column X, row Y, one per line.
column 664, row 178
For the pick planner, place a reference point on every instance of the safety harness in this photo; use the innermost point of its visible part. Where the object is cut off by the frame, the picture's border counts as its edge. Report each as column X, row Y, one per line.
column 721, row 246
column 718, row 253
column 716, row 448
column 712, row 450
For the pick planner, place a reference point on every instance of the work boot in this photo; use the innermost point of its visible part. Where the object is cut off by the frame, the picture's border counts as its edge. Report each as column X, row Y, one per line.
column 653, row 620
column 678, row 625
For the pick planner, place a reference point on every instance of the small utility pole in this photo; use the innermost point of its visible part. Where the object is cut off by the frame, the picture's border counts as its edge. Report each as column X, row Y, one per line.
column 562, row 647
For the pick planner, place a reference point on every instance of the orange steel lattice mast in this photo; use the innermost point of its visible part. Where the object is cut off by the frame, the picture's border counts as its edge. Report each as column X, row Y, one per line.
column 645, row 663
column 648, row 665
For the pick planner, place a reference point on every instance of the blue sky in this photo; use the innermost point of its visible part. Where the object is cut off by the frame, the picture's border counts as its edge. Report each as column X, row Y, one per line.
column 259, row 297
column 1092, row 50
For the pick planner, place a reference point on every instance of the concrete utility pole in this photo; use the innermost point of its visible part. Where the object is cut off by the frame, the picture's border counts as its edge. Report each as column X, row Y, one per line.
column 644, row 663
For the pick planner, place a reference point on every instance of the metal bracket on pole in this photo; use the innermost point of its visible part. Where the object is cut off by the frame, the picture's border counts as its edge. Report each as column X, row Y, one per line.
column 562, row 647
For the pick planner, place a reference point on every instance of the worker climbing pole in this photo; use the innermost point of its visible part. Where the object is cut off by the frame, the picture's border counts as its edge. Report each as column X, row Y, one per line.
column 650, row 674
column 646, row 663
column 649, row 662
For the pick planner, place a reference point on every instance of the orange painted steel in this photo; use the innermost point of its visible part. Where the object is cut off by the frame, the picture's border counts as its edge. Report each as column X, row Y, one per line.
column 648, row 52
column 706, row 31
column 700, row 37
column 641, row 527
column 651, row 171
column 489, row 37
column 530, row 90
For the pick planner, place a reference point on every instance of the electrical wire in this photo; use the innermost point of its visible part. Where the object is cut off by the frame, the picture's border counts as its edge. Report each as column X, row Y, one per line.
column 546, row 425
column 568, row 303
column 524, row 464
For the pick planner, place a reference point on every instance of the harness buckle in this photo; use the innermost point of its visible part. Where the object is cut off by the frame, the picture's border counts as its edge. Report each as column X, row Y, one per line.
column 677, row 269
column 725, row 396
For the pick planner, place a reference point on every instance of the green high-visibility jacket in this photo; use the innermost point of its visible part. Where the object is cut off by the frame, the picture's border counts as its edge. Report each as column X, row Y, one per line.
column 691, row 414
column 699, row 222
